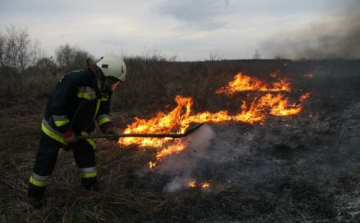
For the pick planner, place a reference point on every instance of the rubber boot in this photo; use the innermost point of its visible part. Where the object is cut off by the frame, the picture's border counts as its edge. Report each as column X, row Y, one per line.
column 90, row 184
column 35, row 195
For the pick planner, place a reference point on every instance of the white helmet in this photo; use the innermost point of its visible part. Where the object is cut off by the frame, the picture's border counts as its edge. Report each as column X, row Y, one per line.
column 113, row 66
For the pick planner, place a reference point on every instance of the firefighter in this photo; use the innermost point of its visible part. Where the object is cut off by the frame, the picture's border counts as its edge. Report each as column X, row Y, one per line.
column 80, row 99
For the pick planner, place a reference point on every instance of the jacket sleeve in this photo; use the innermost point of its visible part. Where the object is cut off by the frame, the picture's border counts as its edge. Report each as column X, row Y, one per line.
column 63, row 96
column 103, row 119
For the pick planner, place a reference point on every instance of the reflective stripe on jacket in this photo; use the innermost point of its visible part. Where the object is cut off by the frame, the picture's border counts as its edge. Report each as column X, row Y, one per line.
column 76, row 103
column 54, row 134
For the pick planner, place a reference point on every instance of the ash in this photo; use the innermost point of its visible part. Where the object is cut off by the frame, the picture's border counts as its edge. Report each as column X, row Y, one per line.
column 279, row 151
column 284, row 159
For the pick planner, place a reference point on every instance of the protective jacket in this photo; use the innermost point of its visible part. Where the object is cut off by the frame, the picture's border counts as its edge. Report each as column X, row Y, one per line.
column 75, row 105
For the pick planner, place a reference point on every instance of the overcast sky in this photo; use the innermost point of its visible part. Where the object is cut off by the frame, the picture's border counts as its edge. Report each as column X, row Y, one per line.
column 188, row 29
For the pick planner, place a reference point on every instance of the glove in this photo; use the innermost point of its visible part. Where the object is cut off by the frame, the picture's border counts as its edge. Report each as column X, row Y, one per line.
column 115, row 134
column 69, row 137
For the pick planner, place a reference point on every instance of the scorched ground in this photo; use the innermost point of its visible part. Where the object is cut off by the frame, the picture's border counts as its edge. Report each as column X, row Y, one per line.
column 295, row 168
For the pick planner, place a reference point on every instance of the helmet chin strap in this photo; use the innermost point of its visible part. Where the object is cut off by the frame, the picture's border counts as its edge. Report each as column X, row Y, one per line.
column 103, row 86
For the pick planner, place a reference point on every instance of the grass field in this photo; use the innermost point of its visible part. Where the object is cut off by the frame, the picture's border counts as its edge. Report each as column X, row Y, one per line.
column 300, row 168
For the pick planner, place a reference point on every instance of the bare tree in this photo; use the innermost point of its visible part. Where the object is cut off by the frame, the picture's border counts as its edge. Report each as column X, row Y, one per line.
column 36, row 52
column 153, row 55
column 11, row 46
column 69, row 57
column 214, row 55
column 65, row 55
column 45, row 65
column 17, row 50
column 80, row 58
column 2, row 49
column 23, row 50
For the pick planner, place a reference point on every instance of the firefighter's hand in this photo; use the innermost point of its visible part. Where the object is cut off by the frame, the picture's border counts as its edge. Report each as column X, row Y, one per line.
column 115, row 134
column 69, row 137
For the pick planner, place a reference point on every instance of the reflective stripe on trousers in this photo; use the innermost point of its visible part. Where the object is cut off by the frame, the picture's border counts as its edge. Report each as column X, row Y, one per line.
column 90, row 141
column 102, row 119
column 88, row 172
column 40, row 181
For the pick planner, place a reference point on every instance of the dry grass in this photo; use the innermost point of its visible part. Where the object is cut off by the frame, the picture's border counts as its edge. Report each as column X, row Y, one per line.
column 152, row 86
column 123, row 196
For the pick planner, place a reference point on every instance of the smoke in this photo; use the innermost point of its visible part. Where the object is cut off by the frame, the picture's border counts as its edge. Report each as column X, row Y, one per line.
column 206, row 157
column 333, row 36
column 181, row 166
column 224, row 158
column 254, row 156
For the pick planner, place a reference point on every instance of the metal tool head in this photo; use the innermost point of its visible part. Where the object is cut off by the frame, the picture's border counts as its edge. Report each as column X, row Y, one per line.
column 193, row 129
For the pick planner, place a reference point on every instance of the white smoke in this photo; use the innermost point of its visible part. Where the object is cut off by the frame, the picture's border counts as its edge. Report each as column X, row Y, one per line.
column 177, row 183
column 333, row 36
column 181, row 165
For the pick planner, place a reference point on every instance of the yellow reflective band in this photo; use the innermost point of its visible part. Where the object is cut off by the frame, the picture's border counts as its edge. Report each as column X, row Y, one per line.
column 90, row 141
column 89, row 175
column 85, row 95
column 104, row 99
column 98, row 105
column 61, row 123
column 97, row 108
column 38, row 183
column 103, row 120
column 52, row 134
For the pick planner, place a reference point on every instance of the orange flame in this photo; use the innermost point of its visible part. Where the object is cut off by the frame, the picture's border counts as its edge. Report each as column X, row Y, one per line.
column 181, row 117
column 243, row 82
column 309, row 75
column 205, row 185
column 304, row 97
column 278, row 105
column 192, row 184
column 274, row 74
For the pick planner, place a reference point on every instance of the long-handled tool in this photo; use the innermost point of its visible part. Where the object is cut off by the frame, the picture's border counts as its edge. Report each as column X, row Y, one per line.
column 150, row 135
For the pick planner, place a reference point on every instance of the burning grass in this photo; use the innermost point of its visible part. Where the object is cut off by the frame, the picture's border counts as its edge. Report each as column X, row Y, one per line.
column 181, row 117
column 278, row 168
column 244, row 82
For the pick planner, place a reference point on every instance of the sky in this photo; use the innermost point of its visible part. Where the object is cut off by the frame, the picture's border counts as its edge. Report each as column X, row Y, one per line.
column 189, row 30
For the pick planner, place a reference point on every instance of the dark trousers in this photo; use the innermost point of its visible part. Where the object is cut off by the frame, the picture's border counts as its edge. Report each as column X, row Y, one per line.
column 45, row 161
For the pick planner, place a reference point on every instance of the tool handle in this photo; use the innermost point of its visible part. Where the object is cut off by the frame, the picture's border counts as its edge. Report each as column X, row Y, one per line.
column 104, row 136
column 144, row 135
column 95, row 136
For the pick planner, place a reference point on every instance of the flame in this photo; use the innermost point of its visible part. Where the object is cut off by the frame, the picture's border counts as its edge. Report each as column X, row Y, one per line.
column 274, row 74
column 192, row 184
column 304, row 97
column 243, row 82
column 205, row 185
column 162, row 123
column 279, row 105
column 309, row 75
column 181, row 117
